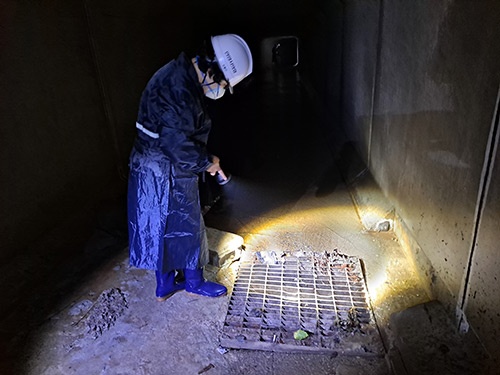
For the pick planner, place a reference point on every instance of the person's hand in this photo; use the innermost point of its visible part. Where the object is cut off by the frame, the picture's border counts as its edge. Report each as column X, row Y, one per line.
column 215, row 166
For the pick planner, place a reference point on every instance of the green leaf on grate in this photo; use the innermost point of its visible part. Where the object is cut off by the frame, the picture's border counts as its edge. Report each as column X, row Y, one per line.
column 300, row 335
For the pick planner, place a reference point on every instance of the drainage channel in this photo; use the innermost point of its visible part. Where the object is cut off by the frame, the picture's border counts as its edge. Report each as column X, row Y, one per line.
column 301, row 302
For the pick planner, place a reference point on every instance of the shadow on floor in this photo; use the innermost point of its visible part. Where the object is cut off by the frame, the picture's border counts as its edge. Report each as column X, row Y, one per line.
column 37, row 282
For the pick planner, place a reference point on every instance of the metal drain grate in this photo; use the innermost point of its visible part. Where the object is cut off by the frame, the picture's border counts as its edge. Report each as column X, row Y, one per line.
column 324, row 294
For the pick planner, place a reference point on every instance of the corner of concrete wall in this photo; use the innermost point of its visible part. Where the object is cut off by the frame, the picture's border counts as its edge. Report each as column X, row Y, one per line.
column 425, row 136
column 378, row 214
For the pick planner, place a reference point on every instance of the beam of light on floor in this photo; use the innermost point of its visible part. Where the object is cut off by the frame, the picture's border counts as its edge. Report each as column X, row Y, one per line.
column 312, row 225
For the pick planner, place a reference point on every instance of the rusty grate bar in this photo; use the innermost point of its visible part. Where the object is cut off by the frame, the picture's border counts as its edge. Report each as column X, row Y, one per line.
column 324, row 294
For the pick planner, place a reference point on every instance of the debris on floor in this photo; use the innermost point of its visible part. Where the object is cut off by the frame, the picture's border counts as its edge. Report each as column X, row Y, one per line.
column 107, row 309
column 224, row 247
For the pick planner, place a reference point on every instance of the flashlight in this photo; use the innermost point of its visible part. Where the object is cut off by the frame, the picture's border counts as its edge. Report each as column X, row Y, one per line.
column 222, row 178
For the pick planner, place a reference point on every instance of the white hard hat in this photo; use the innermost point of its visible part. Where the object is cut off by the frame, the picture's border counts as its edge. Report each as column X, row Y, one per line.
column 233, row 57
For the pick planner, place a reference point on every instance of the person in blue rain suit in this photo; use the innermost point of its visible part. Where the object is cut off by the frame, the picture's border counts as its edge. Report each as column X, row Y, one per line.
column 166, row 227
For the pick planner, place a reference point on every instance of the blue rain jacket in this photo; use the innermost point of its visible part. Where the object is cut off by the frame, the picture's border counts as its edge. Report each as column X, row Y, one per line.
column 166, row 228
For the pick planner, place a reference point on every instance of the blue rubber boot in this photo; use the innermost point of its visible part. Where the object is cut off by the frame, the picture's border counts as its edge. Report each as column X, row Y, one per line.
column 196, row 283
column 166, row 285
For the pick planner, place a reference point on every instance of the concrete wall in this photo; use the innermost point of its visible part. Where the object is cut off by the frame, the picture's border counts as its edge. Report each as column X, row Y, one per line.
column 54, row 136
column 420, row 84
column 359, row 51
column 71, row 74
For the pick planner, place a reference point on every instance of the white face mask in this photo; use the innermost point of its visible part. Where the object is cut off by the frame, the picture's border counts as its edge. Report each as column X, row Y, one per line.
column 215, row 93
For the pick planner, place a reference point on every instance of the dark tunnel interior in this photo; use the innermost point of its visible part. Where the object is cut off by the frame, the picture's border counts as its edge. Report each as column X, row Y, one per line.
column 385, row 112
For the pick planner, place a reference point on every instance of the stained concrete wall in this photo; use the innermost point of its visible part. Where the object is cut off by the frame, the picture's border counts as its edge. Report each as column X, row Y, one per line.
column 482, row 303
column 361, row 21
column 420, row 83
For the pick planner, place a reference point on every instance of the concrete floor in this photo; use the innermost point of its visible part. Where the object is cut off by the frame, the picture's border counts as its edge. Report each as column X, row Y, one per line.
column 295, row 200
column 180, row 336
